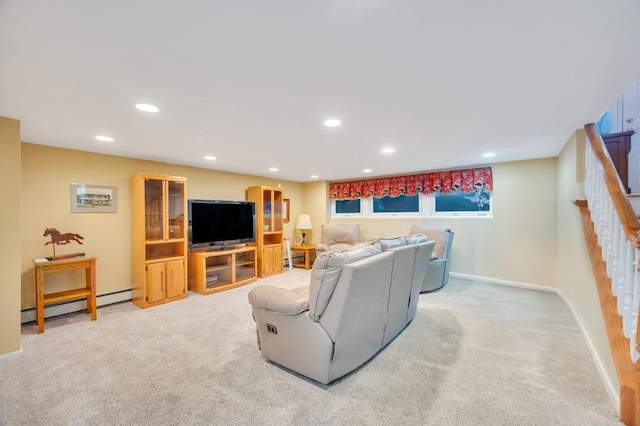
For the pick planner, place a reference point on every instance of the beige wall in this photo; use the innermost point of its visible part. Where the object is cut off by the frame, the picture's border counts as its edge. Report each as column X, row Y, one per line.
column 47, row 173
column 535, row 227
column 10, row 248
column 315, row 204
column 575, row 278
column 518, row 244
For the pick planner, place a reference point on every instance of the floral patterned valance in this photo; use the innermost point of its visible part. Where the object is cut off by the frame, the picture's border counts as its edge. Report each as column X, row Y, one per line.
column 465, row 180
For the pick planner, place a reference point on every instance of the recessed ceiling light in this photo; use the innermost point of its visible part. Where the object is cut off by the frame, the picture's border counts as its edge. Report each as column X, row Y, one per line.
column 147, row 108
column 367, row 170
column 388, row 150
column 332, row 122
column 314, row 176
column 103, row 138
column 209, row 157
column 488, row 155
column 273, row 169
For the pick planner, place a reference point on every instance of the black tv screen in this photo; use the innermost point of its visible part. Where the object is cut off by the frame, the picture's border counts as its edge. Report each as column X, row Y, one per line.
column 216, row 223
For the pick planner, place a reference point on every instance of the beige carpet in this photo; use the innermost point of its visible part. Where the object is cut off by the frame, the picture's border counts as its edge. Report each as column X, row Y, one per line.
column 476, row 354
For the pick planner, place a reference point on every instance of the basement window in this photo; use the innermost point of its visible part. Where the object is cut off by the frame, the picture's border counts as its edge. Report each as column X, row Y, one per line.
column 453, row 205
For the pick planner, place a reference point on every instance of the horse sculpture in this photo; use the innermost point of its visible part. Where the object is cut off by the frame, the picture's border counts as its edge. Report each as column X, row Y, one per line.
column 58, row 238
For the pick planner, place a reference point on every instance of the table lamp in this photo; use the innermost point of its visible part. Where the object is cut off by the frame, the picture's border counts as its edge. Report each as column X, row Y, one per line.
column 304, row 225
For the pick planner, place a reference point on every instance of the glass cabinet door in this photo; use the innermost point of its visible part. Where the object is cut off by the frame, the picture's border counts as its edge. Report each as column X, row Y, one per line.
column 176, row 210
column 153, row 209
column 277, row 210
column 267, row 224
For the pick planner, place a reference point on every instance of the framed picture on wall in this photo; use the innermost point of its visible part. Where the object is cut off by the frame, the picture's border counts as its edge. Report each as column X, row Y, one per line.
column 93, row 198
column 285, row 210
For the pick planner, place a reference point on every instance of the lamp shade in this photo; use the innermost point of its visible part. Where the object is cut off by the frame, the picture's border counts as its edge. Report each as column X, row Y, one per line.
column 304, row 222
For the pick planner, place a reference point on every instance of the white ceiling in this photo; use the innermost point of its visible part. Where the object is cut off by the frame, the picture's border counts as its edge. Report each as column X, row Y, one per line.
column 252, row 81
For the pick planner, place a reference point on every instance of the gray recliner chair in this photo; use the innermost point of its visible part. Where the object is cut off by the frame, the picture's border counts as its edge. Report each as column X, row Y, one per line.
column 338, row 237
column 438, row 272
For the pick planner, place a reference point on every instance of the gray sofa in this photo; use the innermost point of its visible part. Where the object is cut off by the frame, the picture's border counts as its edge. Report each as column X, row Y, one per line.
column 438, row 273
column 357, row 302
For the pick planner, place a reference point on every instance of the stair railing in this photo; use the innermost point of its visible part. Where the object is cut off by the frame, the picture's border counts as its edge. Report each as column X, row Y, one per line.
column 618, row 231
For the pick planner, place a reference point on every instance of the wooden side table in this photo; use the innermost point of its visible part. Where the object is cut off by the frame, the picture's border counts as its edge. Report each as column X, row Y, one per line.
column 43, row 267
column 308, row 252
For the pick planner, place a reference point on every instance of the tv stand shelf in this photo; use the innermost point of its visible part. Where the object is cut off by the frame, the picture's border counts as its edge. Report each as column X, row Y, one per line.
column 214, row 271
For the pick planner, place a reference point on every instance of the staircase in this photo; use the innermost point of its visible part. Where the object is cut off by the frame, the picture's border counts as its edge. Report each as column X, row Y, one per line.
column 612, row 233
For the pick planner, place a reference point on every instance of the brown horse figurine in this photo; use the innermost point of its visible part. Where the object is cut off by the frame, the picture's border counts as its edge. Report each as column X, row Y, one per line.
column 58, row 238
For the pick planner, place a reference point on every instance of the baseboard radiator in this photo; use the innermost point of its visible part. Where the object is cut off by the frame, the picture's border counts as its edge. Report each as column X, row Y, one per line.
column 70, row 306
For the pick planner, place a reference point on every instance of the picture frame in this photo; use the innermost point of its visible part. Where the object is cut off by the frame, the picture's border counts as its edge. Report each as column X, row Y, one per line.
column 93, row 198
column 286, row 203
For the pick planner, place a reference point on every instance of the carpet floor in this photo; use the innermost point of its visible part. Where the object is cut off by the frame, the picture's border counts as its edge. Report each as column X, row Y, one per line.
column 475, row 354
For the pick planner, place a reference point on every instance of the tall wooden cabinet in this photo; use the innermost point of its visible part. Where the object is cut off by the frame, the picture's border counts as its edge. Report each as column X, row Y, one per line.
column 269, row 228
column 619, row 145
column 159, row 239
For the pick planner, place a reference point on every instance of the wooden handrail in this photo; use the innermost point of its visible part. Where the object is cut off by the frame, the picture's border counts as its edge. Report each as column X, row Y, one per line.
column 621, row 202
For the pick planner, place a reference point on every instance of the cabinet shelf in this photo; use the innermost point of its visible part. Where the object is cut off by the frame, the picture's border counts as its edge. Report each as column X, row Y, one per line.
column 218, row 268
column 157, row 259
column 171, row 241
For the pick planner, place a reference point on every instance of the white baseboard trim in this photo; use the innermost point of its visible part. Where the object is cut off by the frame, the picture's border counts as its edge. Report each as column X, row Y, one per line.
column 611, row 389
column 614, row 396
column 502, row 282
column 11, row 356
column 29, row 315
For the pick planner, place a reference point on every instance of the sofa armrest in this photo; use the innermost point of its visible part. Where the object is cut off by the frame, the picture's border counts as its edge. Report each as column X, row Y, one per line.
column 322, row 247
column 278, row 300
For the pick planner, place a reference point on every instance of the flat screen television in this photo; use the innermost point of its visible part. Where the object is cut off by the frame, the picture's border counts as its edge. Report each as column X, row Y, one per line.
column 217, row 223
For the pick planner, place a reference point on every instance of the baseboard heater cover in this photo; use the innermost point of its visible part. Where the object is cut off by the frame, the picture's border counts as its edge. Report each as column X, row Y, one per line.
column 62, row 308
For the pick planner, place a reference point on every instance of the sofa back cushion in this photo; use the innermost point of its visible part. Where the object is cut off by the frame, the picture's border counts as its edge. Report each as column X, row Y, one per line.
column 416, row 239
column 326, row 272
column 421, row 265
column 400, row 290
column 389, row 243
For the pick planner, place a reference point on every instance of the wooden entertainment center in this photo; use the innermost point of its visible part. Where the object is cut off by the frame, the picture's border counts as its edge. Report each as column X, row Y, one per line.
column 269, row 228
column 219, row 270
column 158, row 239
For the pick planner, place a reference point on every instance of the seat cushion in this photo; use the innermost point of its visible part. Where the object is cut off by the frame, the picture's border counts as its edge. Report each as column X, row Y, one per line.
column 326, row 272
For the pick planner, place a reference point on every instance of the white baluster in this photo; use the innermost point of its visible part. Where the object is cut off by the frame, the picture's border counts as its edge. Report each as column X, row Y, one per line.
column 627, row 296
column 635, row 307
column 617, row 281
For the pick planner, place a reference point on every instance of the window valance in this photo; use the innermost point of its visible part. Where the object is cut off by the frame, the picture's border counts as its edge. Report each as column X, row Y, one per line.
column 464, row 180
